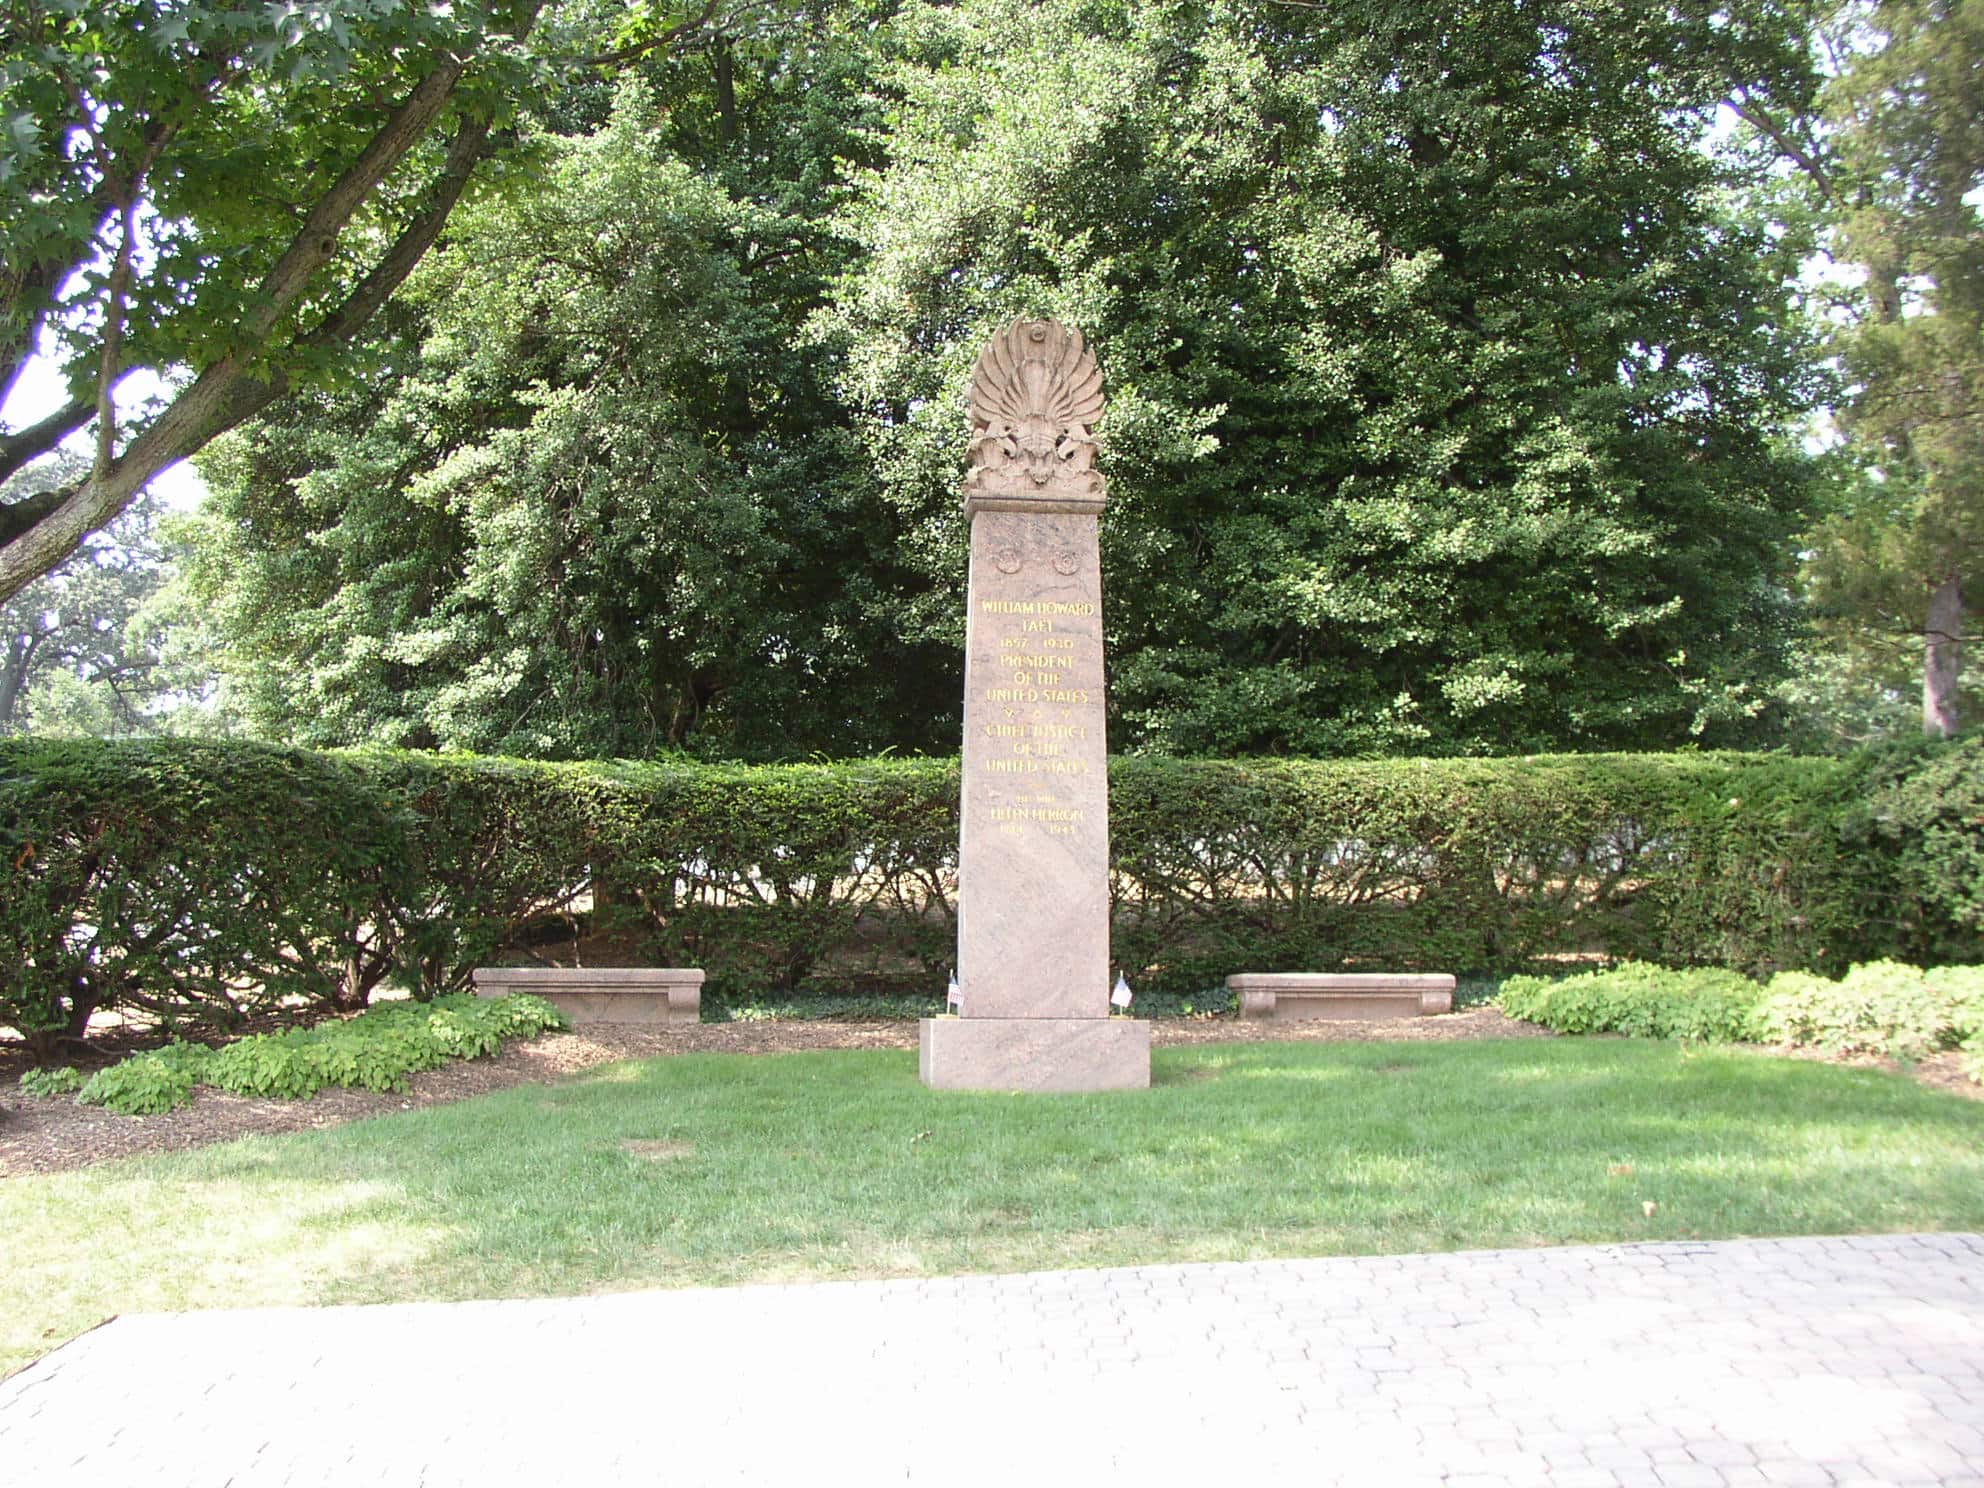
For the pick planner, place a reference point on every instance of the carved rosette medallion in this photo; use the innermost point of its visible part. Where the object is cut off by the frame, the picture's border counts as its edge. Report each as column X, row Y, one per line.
column 1036, row 394
column 1031, row 540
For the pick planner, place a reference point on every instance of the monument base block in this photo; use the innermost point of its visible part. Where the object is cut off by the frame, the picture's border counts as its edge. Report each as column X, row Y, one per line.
column 1067, row 1054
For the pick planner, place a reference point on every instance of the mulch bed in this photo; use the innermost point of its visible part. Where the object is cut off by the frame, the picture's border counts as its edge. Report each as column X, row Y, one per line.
column 47, row 1136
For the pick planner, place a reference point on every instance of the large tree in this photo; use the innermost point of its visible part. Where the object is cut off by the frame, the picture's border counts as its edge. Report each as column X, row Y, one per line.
column 1887, row 152
column 595, row 496
column 1448, row 397
column 1908, row 111
column 228, row 194
column 77, row 654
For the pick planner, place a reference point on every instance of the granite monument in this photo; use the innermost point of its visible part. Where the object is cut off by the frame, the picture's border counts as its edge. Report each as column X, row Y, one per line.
column 1033, row 868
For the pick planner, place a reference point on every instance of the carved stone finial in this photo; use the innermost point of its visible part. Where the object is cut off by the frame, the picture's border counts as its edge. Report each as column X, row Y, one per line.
column 1036, row 393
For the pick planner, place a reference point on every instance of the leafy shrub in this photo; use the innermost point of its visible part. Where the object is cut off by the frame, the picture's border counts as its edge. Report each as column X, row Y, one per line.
column 1875, row 1009
column 376, row 1050
column 472, row 1026
column 1882, row 1008
column 198, row 881
column 497, row 845
column 52, row 1081
column 1964, row 986
column 1643, row 1001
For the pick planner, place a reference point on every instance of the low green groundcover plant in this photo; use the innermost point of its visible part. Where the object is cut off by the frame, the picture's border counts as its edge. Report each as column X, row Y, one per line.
column 1882, row 1007
column 376, row 1050
column 52, row 1081
column 747, row 1009
column 1644, row 1001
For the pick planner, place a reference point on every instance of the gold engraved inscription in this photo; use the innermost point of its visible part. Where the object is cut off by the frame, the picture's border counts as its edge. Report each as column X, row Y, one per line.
column 1043, row 648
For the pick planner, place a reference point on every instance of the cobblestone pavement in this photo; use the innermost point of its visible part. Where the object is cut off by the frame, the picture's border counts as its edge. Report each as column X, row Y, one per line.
column 1785, row 1362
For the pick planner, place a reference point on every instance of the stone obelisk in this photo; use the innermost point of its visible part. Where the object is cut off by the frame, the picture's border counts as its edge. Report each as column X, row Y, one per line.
column 1033, row 862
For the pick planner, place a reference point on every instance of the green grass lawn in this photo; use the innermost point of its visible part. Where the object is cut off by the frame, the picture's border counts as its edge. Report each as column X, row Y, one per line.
column 714, row 1168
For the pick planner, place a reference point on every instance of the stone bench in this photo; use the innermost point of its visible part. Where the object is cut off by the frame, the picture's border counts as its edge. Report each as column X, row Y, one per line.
column 1347, row 995
column 618, row 994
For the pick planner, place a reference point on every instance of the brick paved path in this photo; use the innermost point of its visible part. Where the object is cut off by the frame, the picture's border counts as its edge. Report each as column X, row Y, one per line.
column 1756, row 1362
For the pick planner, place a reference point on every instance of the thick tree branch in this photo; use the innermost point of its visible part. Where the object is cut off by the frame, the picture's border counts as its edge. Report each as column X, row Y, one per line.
column 116, row 311
column 22, row 285
column 85, row 125
column 1760, row 118
column 17, row 517
column 317, row 239
column 242, row 381
column 465, row 150
column 673, row 34
column 113, row 337
column 238, row 397
column 226, row 391
column 248, row 396
column 36, row 440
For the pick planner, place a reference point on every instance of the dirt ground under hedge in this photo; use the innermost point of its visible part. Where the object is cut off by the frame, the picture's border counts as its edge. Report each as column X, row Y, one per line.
column 51, row 1135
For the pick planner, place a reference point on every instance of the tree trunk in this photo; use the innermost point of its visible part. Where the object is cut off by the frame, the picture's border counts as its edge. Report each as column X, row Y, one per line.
column 1942, row 659
column 46, row 1043
column 726, row 92
column 13, row 677
column 354, row 989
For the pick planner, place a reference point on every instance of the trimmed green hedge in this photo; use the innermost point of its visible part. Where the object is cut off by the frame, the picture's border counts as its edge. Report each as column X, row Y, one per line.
column 209, row 883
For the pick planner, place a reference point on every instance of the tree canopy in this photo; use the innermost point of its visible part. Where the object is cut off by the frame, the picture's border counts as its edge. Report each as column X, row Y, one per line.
column 1452, row 388
column 230, row 194
column 596, row 498
column 1895, row 173
column 1447, row 391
